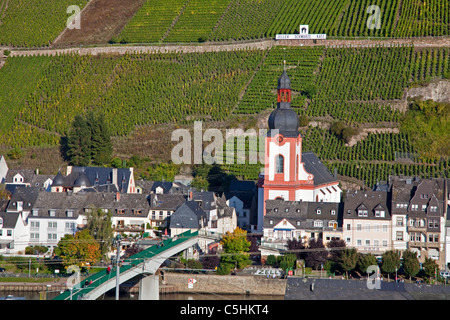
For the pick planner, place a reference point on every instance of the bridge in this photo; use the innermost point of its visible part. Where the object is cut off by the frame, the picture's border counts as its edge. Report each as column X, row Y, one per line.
column 144, row 264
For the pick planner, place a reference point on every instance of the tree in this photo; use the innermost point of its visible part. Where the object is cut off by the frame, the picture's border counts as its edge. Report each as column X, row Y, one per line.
column 348, row 259
column 79, row 249
column 296, row 246
column 390, row 261
column 411, row 265
column 101, row 145
column 235, row 246
column 89, row 141
column 287, row 261
column 429, row 267
column 79, row 142
column 365, row 261
column 99, row 224
column 317, row 256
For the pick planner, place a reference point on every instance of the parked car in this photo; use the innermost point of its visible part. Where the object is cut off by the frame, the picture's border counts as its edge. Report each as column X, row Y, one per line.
column 444, row 274
column 2, row 269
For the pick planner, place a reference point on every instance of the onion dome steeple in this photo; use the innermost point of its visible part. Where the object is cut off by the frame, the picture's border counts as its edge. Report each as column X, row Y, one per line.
column 283, row 118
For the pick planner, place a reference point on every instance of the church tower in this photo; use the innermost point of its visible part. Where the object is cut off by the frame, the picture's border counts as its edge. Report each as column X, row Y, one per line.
column 287, row 175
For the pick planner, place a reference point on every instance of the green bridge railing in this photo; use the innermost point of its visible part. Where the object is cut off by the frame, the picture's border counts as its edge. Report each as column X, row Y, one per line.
column 97, row 279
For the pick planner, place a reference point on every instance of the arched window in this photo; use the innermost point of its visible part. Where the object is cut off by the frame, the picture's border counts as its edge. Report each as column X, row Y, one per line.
column 279, row 163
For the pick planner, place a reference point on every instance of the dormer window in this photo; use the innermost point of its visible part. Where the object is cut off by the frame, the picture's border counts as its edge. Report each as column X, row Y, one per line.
column 333, row 212
column 379, row 213
column 286, row 210
column 271, row 222
column 52, row 212
column 120, row 211
column 35, row 212
column 362, row 213
column 69, row 213
column 318, row 211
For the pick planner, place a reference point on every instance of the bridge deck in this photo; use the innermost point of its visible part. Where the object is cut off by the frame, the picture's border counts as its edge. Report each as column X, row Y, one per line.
column 100, row 278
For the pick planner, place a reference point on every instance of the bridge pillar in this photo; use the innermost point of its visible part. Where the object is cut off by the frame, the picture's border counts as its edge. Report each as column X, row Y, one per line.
column 149, row 288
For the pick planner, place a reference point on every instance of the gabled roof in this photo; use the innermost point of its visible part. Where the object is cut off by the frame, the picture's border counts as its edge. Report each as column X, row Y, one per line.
column 27, row 195
column 9, row 219
column 366, row 200
column 189, row 215
column 314, row 166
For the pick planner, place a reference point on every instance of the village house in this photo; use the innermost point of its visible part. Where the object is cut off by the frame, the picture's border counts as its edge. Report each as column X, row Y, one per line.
column 367, row 221
column 98, row 179
column 13, row 233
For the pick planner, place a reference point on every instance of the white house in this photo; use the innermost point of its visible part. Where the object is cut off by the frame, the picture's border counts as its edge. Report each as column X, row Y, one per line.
column 13, row 233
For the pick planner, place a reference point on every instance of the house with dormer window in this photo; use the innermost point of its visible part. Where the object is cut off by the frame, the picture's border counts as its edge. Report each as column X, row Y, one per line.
column 367, row 221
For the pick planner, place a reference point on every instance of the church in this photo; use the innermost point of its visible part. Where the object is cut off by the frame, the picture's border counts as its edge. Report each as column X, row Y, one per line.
column 289, row 173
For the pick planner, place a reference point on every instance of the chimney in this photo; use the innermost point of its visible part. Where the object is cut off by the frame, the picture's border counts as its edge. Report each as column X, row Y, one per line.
column 69, row 170
column 114, row 177
column 117, row 196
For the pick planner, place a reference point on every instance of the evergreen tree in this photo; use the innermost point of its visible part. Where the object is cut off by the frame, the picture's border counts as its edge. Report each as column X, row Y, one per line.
column 101, row 145
column 79, row 142
column 89, row 141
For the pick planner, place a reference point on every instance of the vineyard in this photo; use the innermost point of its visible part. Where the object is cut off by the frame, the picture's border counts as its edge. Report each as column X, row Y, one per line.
column 130, row 90
column 225, row 20
column 26, row 23
column 152, row 21
column 40, row 95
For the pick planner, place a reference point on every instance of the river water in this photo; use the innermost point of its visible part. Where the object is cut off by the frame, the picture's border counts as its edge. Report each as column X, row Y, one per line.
column 31, row 295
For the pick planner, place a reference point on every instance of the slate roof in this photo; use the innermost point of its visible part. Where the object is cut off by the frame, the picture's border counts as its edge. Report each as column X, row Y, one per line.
column 27, row 175
column 166, row 201
column 9, row 219
column 412, row 190
column 314, row 166
column 206, row 200
column 95, row 176
column 28, row 196
column 366, row 200
column 303, row 211
column 189, row 215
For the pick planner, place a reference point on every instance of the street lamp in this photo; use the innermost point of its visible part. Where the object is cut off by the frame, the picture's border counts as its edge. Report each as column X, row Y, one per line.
column 117, row 242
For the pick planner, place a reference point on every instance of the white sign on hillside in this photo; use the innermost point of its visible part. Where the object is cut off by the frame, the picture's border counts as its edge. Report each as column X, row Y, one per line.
column 302, row 35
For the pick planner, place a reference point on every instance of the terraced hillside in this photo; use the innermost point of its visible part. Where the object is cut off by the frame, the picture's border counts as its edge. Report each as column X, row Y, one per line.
column 39, row 96
column 226, row 20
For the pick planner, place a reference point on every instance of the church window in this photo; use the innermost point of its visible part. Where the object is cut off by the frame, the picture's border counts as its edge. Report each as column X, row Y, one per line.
column 279, row 164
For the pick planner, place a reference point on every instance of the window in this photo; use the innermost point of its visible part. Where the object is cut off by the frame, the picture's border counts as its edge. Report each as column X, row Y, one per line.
column 52, row 236
column 414, row 207
column 384, row 243
column 433, row 209
column 318, row 223
column 279, row 163
column 367, row 242
column 271, row 222
column 52, row 224
column 376, row 228
column 367, row 227
column 333, row 212
column 359, row 242
column 348, row 227
column 318, row 211
column 424, row 207
column 376, row 243
column 298, row 223
column 399, row 221
column 69, row 213
column 362, row 213
column 399, row 236
column 433, row 238
column 385, row 228
column 34, row 224
column 9, row 232
column 52, row 213
column 348, row 240
column 379, row 213
column 433, row 223
column 359, row 227
column 35, row 212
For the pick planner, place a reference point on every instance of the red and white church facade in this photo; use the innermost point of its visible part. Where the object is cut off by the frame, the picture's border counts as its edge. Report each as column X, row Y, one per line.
column 289, row 173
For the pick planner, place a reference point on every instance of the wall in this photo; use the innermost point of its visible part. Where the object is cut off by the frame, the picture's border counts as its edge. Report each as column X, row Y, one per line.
column 226, row 284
